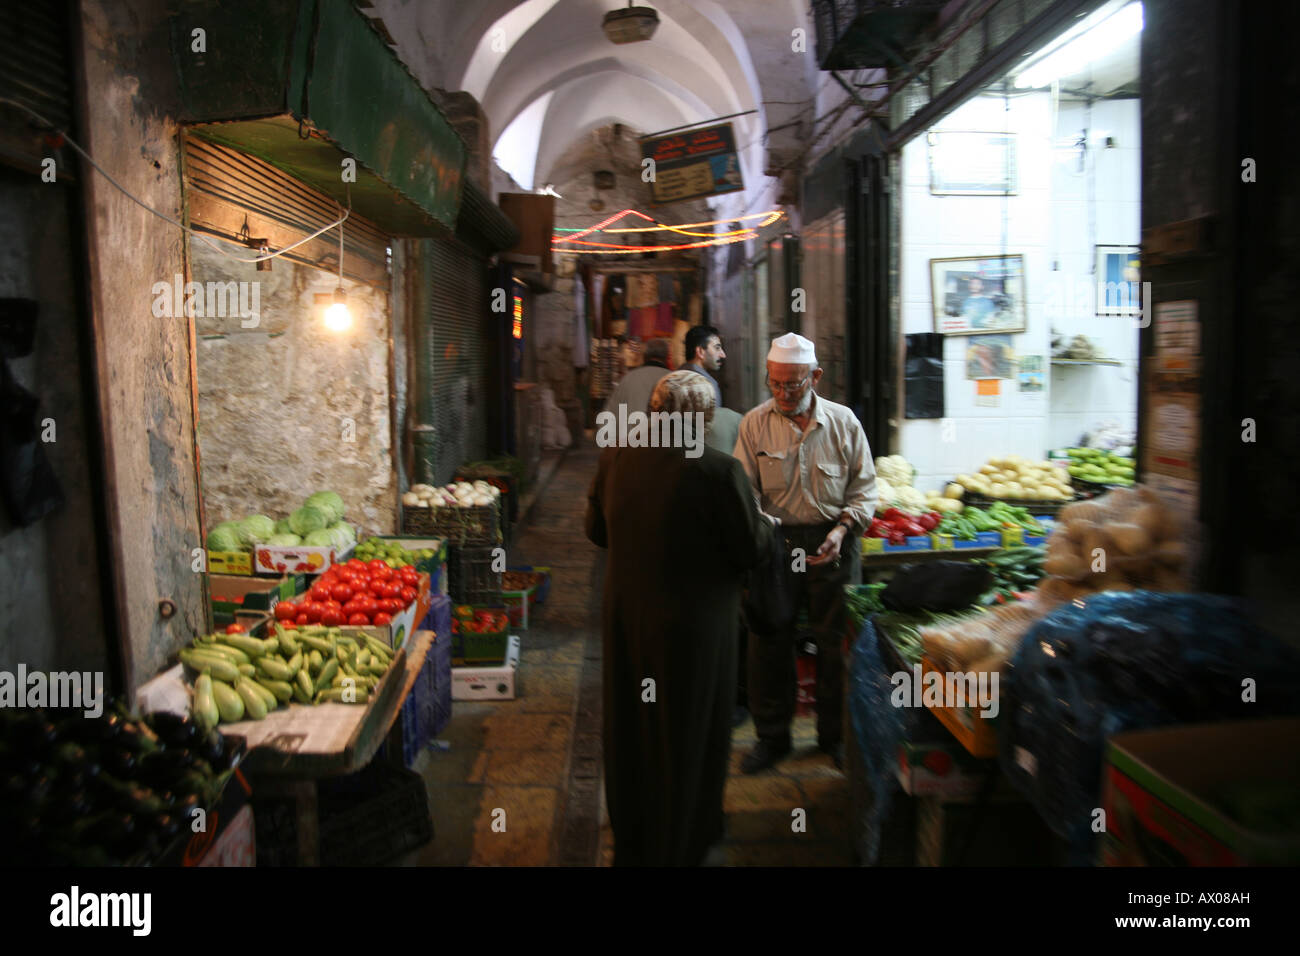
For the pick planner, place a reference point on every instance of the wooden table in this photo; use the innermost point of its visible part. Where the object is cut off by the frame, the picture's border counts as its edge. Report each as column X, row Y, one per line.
column 290, row 750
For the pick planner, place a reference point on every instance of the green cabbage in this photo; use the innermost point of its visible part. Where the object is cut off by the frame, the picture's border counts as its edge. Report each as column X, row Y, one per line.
column 284, row 540
column 347, row 535
column 282, row 527
column 308, row 519
column 226, row 537
column 320, row 539
column 256, row 528
column 328, row 501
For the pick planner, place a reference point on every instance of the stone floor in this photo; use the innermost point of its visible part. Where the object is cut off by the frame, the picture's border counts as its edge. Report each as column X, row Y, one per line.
column 519, row 781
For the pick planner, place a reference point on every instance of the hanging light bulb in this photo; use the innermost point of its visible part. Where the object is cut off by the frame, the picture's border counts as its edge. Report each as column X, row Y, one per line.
column 338, row 317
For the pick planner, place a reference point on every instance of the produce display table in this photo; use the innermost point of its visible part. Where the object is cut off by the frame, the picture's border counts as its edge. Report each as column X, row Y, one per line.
column 290, row 750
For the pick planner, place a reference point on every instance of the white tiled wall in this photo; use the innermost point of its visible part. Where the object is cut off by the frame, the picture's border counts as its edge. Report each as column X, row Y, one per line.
column 1054, row 225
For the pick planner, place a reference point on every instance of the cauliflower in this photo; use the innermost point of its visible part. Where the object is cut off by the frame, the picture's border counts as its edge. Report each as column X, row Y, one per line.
column 895, row 469
column 886, row 492
column 910, row 500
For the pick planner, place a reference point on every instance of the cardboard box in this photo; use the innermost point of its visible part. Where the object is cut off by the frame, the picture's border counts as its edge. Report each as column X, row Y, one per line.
column 1182, row 796
column 230, row 562
column 231, row 593
column 301, row 559
column 939, row 769
column 227, row 840
column 499, row 682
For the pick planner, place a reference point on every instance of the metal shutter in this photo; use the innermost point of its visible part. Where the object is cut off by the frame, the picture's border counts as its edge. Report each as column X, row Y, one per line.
column 226, row 188
column 462, row 381
column 35, row 71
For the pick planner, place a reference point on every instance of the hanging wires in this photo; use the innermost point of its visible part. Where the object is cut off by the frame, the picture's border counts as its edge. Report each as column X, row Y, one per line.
column 179, row 225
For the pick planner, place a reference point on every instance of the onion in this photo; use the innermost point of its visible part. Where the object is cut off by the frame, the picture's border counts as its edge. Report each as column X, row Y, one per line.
column 411, row 499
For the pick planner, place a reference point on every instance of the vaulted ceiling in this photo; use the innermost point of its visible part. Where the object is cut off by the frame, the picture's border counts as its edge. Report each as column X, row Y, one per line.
column 708, row 58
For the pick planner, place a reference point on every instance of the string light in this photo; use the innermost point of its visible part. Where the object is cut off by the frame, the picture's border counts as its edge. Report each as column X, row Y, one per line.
column 711, row 238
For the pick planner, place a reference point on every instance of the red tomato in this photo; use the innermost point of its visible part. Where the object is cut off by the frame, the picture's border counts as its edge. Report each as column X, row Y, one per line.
column 390, row 605
column 377, row 588
column 382, row 619
column 235, row 629
column 356, row 564
column 392, row 589
column 408, row 594
column 368, row 605
column 377, row 565
column 289, row 625
column 341, row 593
column 410, row 579
column 330, row 605
column 320, row 591
column 382, row 574
column 358, row 620
column 286, row 611
column 408, row 567
column 332, row 618
column 353, row 607
column 301, row 619
column 313, row 611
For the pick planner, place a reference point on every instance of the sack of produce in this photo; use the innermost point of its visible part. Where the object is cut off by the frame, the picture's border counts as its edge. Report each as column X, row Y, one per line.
column 1126, row 540
column 1127, row 661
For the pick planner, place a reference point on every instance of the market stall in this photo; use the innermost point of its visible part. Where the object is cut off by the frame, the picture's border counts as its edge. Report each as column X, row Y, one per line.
column 985, row 687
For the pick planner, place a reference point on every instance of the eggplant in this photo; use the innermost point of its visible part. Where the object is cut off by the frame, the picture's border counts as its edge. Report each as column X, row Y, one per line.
column 121, row 762
column 172, row 729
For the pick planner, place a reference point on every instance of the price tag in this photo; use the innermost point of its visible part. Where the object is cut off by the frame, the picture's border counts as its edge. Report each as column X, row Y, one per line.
column 1011, row 537
column 873, row 545
column 941, row 542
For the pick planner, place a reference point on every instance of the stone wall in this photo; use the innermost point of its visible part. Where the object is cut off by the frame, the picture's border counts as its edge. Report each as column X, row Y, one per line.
column 290, row 407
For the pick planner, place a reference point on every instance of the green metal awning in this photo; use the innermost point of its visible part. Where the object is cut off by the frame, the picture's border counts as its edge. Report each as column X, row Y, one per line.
column 305, row 84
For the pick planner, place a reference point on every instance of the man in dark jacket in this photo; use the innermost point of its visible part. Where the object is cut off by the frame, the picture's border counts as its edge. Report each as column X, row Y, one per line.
column 681, row 532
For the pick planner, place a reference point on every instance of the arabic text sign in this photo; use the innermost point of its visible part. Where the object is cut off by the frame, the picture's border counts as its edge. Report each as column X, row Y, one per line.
column 693, row 164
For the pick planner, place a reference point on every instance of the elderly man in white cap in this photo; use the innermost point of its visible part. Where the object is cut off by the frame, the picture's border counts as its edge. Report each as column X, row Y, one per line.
column 809, row 462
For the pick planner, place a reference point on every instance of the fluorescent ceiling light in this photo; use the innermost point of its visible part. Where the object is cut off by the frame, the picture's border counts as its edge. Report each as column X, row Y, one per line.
column 1091, row 44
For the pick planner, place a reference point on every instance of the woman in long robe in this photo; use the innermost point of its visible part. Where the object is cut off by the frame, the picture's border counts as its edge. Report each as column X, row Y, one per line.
column 681, row 533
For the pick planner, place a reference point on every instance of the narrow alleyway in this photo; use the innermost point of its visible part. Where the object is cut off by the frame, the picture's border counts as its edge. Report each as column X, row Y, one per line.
column 538, row 758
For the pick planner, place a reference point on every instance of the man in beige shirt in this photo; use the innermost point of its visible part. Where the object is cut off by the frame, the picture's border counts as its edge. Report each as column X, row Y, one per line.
column 811, row 467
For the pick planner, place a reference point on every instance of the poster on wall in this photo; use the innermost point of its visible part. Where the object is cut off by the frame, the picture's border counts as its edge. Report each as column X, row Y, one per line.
column 987, row 391
column 1031, row 373
column 990, row 356
column 1119, row 286
column 693, row 164
column 978, row 294
column 966, row 163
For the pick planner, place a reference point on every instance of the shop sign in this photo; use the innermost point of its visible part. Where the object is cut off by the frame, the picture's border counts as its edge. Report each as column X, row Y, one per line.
column 692, row 164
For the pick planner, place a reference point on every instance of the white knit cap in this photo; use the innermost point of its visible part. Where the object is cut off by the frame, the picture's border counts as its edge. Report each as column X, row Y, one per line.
column 792, row 349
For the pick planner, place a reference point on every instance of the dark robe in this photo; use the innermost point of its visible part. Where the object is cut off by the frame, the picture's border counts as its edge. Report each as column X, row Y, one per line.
column 681, row 532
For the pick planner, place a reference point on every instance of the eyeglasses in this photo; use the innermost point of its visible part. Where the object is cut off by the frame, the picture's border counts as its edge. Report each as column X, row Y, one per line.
column 787, row 387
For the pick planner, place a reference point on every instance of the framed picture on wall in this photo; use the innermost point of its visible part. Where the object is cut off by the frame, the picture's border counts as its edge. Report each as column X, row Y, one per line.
column 978, row 294
column 1119, row 285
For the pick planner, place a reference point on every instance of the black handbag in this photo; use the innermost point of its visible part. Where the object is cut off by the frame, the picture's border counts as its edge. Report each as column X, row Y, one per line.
column 769, row 606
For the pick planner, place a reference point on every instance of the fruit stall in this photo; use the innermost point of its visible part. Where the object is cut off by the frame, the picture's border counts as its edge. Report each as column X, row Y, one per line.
column 998, row 694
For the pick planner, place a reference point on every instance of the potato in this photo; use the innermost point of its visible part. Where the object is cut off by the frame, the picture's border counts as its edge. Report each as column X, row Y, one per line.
column 1128, row 538
column 1064, row 564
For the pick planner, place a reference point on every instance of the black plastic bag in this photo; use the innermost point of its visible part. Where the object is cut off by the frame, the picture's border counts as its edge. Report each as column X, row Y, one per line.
column 768, row 606
column 939, row 586
column 923, row 376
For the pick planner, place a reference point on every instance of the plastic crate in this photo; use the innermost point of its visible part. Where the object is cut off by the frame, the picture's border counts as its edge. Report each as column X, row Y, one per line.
column 521, row 602
column 470, row 577
column 373, row 817
column 480, row 524
column 474, row 648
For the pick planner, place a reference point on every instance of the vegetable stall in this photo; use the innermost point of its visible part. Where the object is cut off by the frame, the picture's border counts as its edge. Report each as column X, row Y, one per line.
column 1041, row 620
